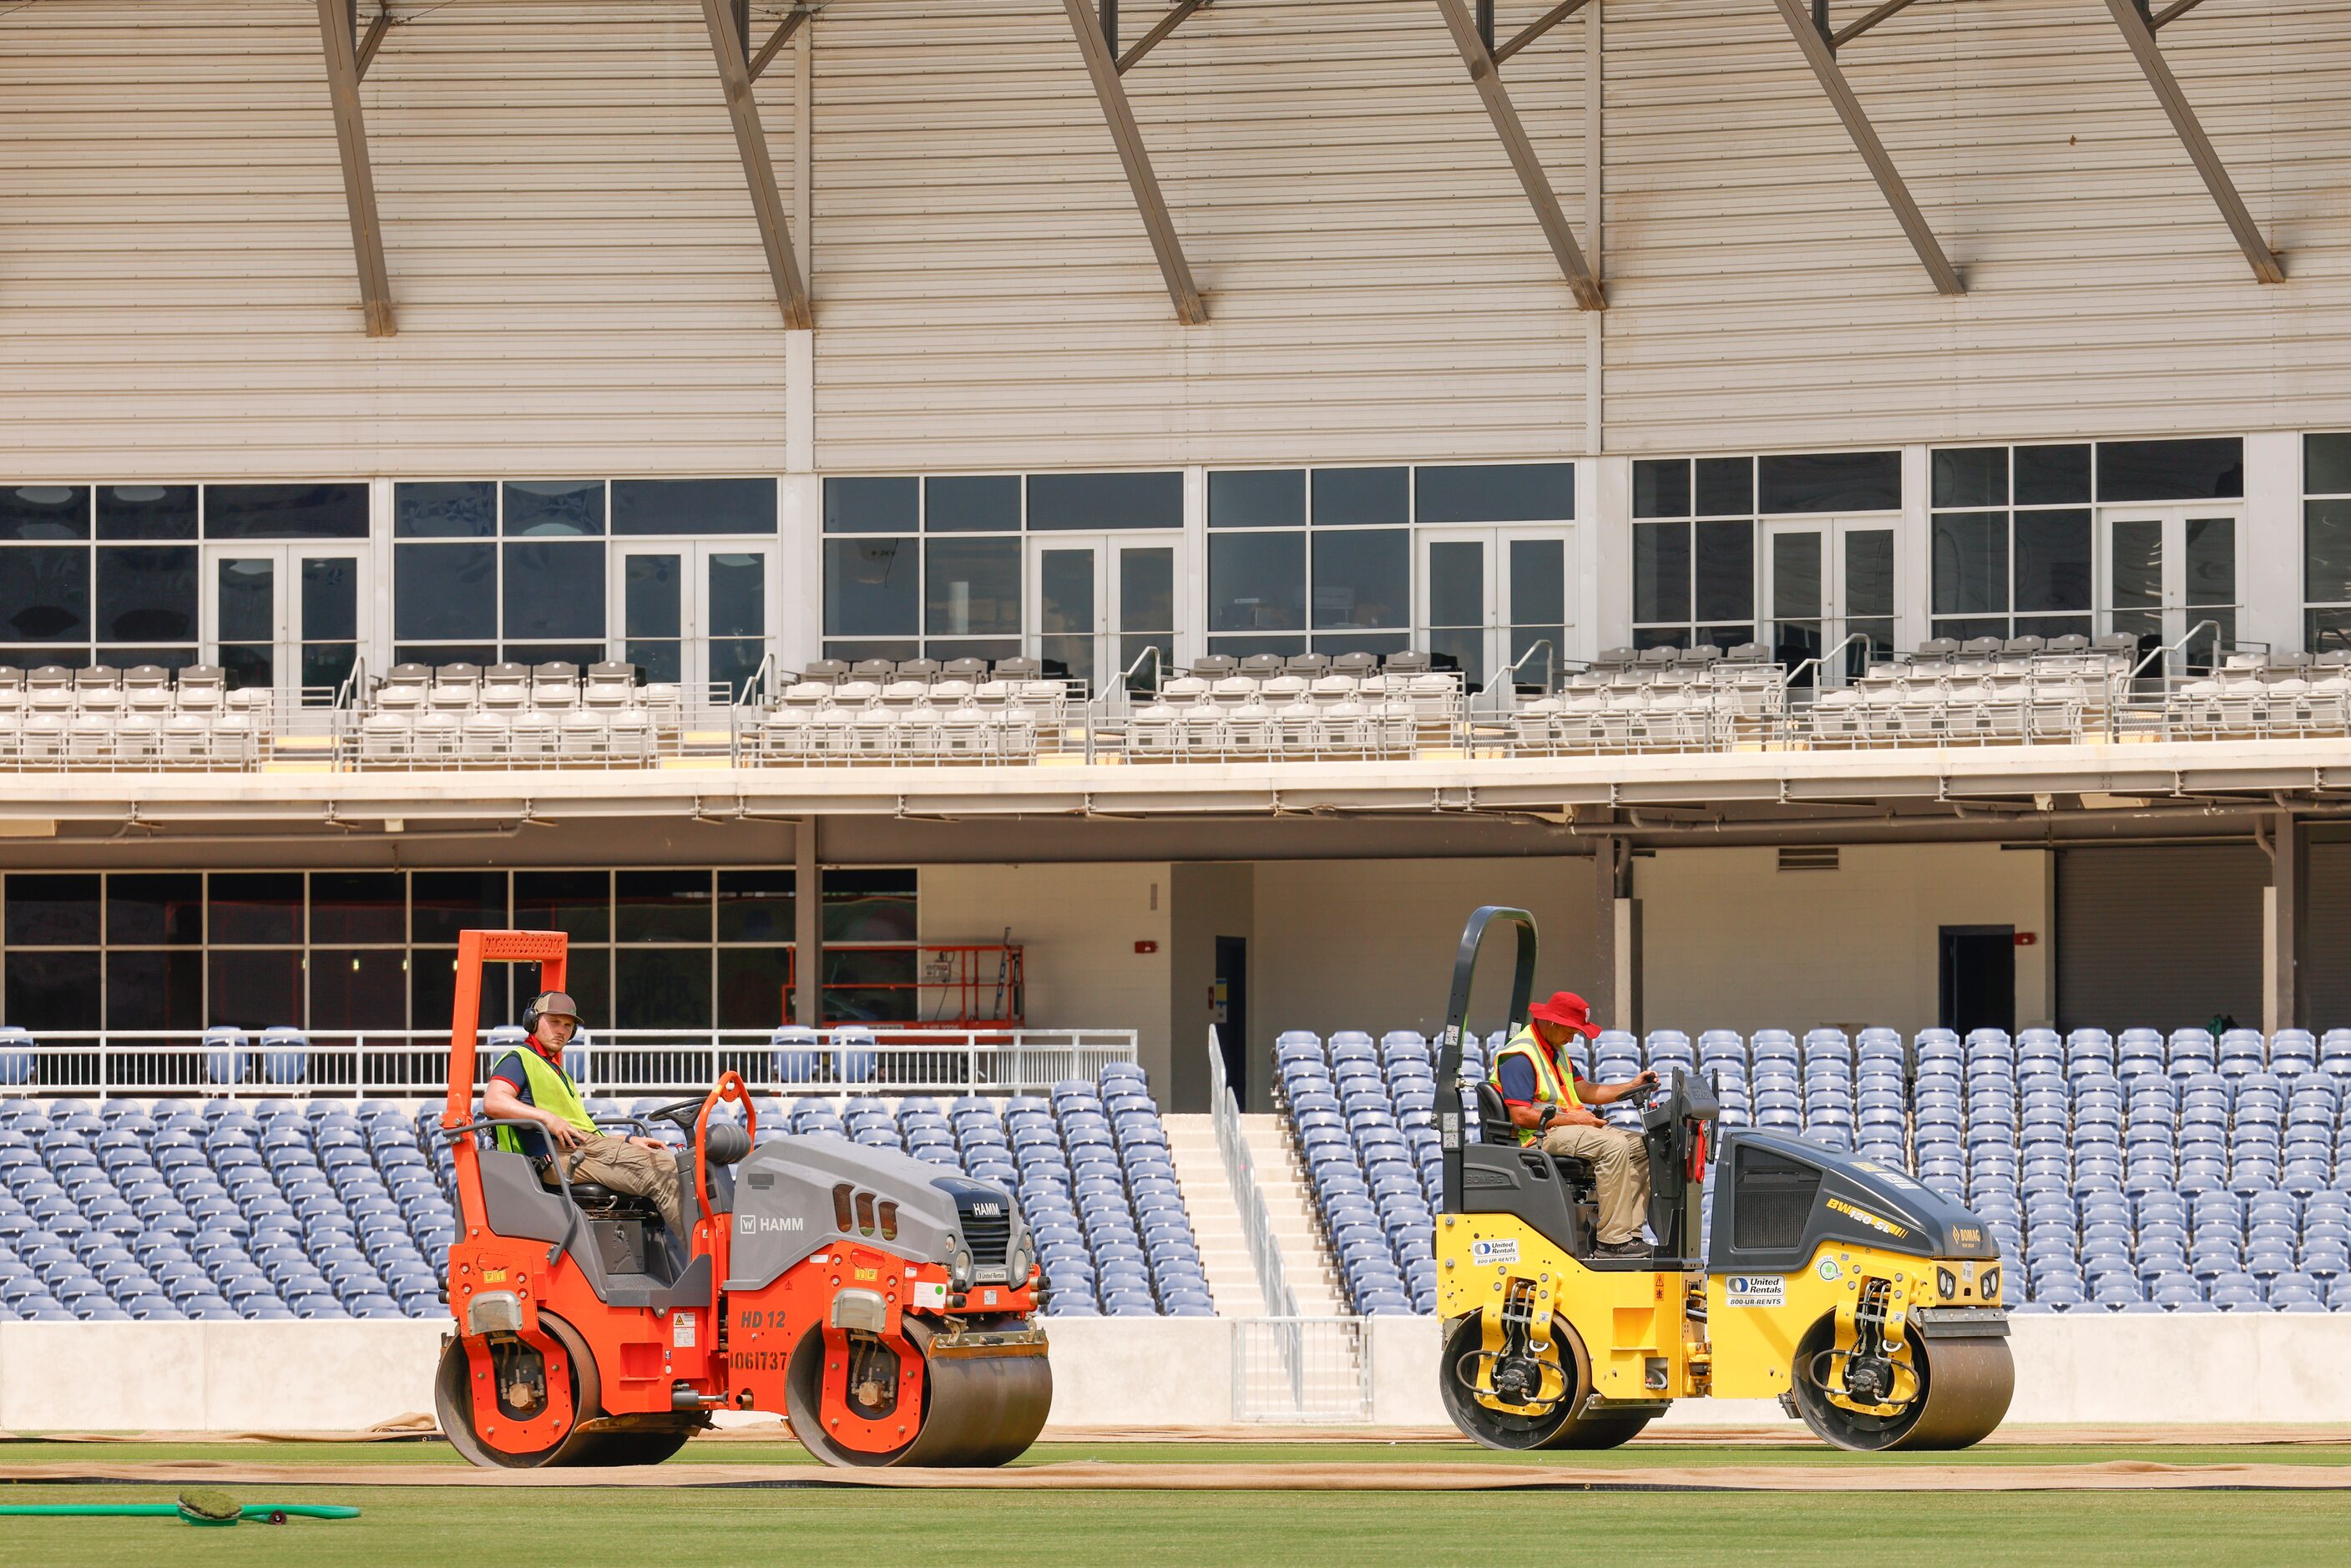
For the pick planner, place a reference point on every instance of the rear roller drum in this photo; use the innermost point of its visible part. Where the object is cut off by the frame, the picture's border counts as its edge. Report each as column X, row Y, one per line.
column 452, row 1401
column 971, row 1410
column 1569, row 1423
column 1964, row 1388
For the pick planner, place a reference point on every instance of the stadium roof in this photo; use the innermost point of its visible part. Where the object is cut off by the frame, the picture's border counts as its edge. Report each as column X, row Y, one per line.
column 742, row 53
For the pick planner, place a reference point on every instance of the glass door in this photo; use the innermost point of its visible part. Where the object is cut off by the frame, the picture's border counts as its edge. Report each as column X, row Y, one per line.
column 1824, row 581
column 1492, row 597
column 2166, row 573
column 691, row 614
column 282, row 618
column 1100, row 603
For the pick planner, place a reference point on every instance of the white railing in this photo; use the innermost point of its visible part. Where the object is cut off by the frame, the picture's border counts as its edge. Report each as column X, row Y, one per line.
column 1240, row 1175
column 413, row 1063
column 1301, row 1370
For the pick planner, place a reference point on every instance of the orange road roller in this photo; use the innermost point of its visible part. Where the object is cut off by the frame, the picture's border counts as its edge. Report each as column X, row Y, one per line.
column 884, row 1306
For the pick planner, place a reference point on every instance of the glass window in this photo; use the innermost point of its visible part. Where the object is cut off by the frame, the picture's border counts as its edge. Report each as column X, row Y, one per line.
column 444, row 903
column 657, row 987
column 2053, row 562
column 45, row 593
column 1726, row 486
column 285, row 511
column 1106, row 501
column 54, row 990
column 2326, row 551
column 1971, row 476
column 1829, row 482
column 1971, row 564
column 2326, row 464
column 147, row 593
column 433, row 990
column 870, row 588
column 359, row 907
column 2211, row 560
column 2198, row 470
column 358, row 990
column 873, row 984
column 545, row 508
column 1345, row 496
column 972, row 587
column 755, row 905
column 45, row 512
column 1725, row 588
column 873, row 506
column 1661, row 487
column 155, row 991
column 1257, row 583
column 1258, row 498
column 147, row 511
column 331, row 597
column 444, row 592
column 577, row 903
column 554, row 589
column 155, row 909
column 1661, row 571
column 458, row 509
column 972, row 504
column 752, row 984
column 694, row 506
column 1496, row 493
column 257, row 908
column 661, row 906
column 255, row 989
column 52, row 911
column 1362, row 578
column 2053, row 476
column 870, row 905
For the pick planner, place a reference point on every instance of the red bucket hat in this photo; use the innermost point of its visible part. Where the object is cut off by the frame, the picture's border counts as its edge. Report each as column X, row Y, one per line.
column 1567, row 1008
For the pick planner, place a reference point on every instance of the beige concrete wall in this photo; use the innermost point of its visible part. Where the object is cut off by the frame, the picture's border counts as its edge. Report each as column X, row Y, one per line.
column 1079, row 924
column 1730, row 941
column 1369, row 944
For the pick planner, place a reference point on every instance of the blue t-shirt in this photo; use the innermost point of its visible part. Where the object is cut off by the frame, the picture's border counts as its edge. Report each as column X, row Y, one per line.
column 1517, row 1075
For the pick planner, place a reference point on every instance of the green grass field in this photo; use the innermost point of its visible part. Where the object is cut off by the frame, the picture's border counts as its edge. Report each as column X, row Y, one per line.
column 1130, row 1529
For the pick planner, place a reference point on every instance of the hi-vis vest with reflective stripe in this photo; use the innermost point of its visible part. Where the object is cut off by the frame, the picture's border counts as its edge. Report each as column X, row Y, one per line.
column 1551, row 1087
column 551, row 1089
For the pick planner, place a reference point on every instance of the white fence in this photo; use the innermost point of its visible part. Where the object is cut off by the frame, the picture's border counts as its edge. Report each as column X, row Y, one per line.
column 408, row 1063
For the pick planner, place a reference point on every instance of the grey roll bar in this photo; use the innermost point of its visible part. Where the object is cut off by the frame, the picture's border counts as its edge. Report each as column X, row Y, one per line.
column 1457, row 1025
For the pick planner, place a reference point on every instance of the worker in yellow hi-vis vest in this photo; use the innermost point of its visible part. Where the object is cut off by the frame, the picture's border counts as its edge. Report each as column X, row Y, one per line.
column 1549, row 1105
column 529, row 1084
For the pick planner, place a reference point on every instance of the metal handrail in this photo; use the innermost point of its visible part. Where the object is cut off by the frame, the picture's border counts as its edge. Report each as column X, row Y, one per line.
column 1248, row 1200
column 1820, row 660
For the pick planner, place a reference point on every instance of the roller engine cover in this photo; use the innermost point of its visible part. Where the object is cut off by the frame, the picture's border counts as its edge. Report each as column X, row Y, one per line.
column 785, row 1210
column 1778, row 1198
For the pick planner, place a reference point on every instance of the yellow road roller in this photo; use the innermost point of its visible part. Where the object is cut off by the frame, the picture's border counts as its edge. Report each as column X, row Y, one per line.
column 1866, row 1303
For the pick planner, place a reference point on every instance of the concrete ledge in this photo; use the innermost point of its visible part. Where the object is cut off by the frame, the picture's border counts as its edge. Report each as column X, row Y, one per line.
column 1132, row 1373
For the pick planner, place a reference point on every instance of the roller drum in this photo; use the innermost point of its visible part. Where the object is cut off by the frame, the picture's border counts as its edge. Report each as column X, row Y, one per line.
column 1965, row 1388
column 979, row 1410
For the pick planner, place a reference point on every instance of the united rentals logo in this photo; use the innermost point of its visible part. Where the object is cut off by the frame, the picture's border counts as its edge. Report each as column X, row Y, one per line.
column 1885, row 1226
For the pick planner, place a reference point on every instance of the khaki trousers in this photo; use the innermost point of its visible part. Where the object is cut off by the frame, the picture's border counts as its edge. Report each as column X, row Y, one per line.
column 1620, row 1166
column 624, row 1167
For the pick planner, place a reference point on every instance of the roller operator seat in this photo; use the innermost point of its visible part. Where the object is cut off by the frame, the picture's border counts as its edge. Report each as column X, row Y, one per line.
column 1494, row 1126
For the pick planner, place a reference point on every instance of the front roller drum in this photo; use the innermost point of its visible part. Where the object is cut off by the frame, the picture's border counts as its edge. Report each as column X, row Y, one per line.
column 1965, row 1384
column 973, row 1410
column 1570, row 1423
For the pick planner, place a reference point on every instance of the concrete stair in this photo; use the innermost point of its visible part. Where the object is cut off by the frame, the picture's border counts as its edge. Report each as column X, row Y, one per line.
column 1216, row 1218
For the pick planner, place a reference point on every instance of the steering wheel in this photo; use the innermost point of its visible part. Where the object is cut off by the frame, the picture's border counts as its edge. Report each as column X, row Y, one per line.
column 680, row 1114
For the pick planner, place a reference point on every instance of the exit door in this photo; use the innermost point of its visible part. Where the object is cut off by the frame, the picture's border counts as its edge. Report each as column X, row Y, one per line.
column 1101, row 604
column 1824, row 581
column 282, row 618
column 1228, row 1011
column 1979, row 977
column 1492, row 597
column 694, row 614
column 2165, row 572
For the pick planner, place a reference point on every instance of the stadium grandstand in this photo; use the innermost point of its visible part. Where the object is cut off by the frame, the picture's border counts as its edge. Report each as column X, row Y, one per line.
column 1011, row 573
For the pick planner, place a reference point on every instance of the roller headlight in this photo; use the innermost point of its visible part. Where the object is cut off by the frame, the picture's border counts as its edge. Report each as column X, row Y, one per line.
column 1946, row 1283
column 1016, row 1265
column 1988, row 1286
column 959, row 1265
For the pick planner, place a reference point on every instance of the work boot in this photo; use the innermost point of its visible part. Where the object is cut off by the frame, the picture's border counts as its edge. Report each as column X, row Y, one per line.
column 1635, row 1248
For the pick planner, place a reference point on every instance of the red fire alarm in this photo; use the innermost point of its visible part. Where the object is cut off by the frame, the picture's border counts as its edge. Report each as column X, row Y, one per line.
column 1147, row 947
column 2026, row 938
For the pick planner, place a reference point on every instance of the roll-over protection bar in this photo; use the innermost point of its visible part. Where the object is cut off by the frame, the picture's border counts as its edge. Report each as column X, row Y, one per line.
column 1456, row 1026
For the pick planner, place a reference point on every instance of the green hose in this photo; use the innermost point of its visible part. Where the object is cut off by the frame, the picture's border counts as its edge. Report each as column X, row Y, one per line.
column 196, row 1510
